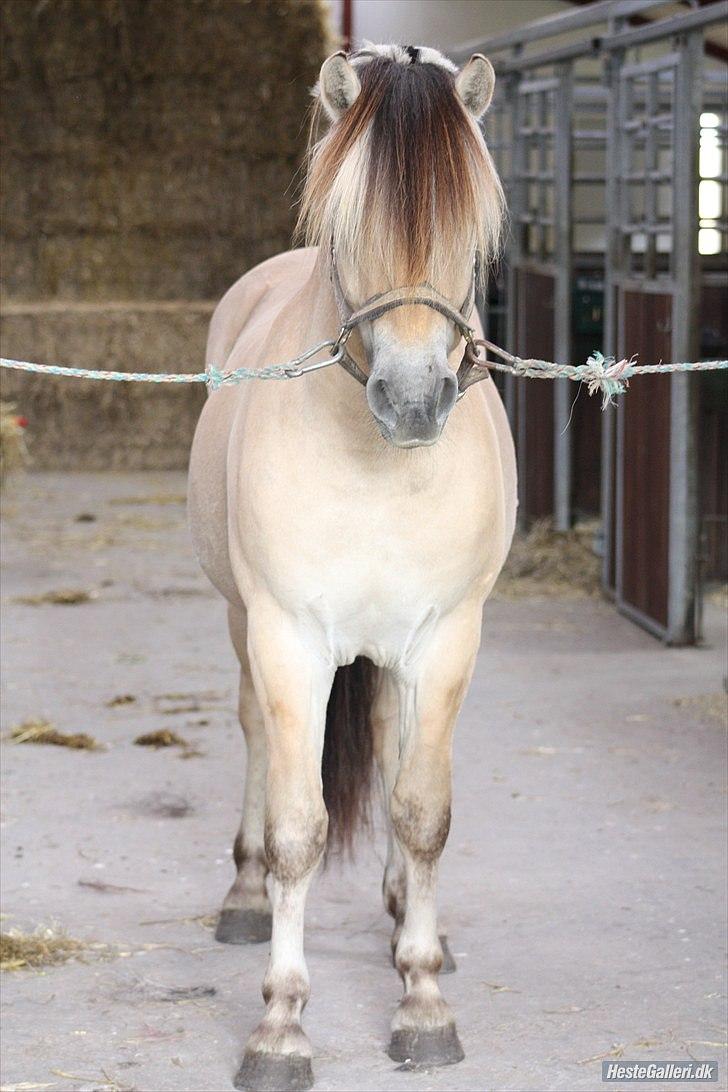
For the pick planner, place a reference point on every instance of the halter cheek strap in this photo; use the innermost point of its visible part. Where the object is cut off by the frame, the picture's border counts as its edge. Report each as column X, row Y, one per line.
column 423, row 295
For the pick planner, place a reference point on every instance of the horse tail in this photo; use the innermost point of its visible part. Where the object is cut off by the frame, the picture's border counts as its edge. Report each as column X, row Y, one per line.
column 348, row 754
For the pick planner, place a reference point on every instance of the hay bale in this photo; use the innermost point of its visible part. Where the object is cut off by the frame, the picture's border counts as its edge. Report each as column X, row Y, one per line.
column 148, row 155
column 140, row 135
column 80, row 424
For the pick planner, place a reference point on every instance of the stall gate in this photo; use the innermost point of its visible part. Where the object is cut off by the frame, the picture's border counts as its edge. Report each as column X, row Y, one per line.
column 597, row 144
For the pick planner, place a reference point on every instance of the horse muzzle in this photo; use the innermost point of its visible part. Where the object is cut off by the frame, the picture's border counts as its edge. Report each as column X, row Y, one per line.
column 407, row 417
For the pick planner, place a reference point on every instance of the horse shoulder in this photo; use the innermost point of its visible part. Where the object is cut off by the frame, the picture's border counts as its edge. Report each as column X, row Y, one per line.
column 245, row 313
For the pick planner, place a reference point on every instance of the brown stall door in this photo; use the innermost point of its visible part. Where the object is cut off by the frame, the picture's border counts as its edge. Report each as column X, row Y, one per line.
column 644, row 462
column 535, row 399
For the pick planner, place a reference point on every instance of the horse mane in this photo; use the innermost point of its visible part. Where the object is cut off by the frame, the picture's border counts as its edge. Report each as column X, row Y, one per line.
column 403, row 182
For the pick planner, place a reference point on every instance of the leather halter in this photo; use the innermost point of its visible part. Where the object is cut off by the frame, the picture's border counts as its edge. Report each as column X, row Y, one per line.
column 418, row 295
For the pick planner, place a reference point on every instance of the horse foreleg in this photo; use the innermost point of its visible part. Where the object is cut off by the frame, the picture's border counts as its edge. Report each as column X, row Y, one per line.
column 385, row 724
column 423, row 1028
column 293, row 687
column 246, row 911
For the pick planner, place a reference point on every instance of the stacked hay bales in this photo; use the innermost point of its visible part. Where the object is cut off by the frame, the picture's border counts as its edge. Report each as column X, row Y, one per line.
column 149, row 155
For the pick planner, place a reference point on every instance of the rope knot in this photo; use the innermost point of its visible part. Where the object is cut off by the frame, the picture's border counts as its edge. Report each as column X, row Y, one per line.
column 606, row 374
column 215, row 378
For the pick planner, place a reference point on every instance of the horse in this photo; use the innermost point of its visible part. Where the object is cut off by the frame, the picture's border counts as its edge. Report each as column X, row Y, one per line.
column 356, row 529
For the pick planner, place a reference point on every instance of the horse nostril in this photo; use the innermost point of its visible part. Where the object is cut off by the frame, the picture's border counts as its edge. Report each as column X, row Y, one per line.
column 446, row 397
column 381, row 402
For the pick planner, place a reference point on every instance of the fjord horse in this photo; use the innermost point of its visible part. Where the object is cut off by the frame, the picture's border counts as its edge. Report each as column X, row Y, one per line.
column 356, row 531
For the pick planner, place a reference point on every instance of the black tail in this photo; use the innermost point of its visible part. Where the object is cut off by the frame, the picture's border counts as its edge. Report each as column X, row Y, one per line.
column 346, row 766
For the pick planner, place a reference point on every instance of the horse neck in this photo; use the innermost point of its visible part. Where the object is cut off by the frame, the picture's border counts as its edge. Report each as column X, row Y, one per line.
column 334, row 395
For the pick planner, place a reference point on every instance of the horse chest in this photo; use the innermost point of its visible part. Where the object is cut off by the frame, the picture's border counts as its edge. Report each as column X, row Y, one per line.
column 371, row 573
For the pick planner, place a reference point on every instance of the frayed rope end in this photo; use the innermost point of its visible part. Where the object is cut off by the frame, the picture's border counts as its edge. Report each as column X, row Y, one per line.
column 607, row 375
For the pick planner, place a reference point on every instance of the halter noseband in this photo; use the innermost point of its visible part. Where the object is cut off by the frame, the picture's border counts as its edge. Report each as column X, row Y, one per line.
column 423, row 295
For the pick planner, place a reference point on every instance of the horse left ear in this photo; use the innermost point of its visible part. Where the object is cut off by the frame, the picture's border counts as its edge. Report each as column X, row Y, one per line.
column 338, row 85
column 475, row 84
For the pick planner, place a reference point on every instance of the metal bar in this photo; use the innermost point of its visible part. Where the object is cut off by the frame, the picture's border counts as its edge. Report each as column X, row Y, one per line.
column 629, row 283
column 666, row 62
column 683, row 521
column 623, row 155
column 563, row 249
column 650, row 212
column 538, row 176
column 643, row 228
column 642, row 619
column 658, row 121
column 537, row 220
column 613, row 250
column 549, row 56
column 513, row 405
column 530, row 87
column 543, row 216
column 551, row 25
column 585, row 135
column 521, row 112
column 536, row 130
column 665, row 28
column 531, row 265
column 640, row 176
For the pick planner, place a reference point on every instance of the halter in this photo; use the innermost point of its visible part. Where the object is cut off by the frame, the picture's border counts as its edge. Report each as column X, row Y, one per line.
column 418, row 295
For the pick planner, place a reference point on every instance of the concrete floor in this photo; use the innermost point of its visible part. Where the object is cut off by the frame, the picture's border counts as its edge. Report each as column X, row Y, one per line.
column 582, row 886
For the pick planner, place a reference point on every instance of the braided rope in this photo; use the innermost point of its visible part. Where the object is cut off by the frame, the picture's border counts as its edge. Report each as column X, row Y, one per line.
column 212, row 376
column 600, row 373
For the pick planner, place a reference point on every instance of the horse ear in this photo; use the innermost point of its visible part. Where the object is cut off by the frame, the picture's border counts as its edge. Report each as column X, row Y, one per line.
column 338, row 85
column 475, row 84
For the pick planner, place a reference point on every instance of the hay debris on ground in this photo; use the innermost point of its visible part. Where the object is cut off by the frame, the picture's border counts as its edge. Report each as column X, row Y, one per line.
column 545, row 562
column 42, row 948
column 65, row 597
column 120, row 699
column 36, row 730
column 144, row 523
column 717, row 594
column 173, row 704
column 13, row 452
column 163, row 737
column 707, row 706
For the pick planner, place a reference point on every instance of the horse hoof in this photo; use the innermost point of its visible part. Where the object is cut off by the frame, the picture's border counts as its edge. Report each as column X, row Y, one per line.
column 261, row 1072
column 243, row 927
column 419, row 1048
column 449, row 966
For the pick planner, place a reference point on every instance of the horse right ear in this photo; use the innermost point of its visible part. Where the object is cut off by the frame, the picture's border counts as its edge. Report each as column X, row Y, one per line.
column 339, row 85
column 475, row 84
